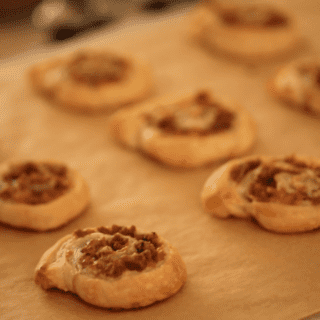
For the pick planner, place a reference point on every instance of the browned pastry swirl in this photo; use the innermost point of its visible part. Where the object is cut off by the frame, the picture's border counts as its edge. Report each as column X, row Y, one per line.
column 91, row 80
column 281, row 193
column 298, row 85
column 116, row 267
column 40, row 195
column 186, row 130
column 248, row 32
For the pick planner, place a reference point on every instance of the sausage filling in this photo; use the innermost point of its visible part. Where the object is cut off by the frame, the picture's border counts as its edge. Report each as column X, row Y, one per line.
column 34, row 183
column 96, row 69
column 112, row 251
column 255, row 16
column 198, row 116
column 288, row 181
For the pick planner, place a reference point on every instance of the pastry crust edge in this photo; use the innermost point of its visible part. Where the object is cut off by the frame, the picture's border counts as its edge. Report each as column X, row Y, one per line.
column 245, row 43
column 184, row 151
column 132, row 290
column 286, row 96
column 220, row 198
column 50, row 215
column 82, row 98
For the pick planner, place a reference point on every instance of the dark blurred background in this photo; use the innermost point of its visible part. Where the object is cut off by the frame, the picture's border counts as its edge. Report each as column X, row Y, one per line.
column 26, row 23
column 16, row 9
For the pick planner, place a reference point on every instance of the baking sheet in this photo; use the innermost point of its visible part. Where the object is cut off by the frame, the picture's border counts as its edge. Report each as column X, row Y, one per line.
column 236, row 270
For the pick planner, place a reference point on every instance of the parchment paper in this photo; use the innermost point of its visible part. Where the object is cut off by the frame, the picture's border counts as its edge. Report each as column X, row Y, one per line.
column 236, row 270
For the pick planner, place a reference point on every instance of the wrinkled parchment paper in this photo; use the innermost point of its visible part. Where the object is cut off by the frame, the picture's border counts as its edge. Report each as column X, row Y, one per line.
column 236, row 270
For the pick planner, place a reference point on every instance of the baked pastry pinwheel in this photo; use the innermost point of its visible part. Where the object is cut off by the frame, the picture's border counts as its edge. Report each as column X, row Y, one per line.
column 281, row 193
column 298, row 85
column 116, row 267
column 40, row 195
column 249, row 31
column 186, row 131
column 91, row 80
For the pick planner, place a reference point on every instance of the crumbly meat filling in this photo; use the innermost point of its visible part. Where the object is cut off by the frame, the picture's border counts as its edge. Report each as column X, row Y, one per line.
column 257, row 16
column 97, row 68
column 238, row 172
column 119, row 250
column 199, row 116
column 288, row 181
column 34, row 183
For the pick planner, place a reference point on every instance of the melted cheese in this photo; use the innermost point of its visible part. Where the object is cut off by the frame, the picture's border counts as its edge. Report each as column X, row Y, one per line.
column 53, row 77
column 189, row 116
column 306, row 181
column 194, row 119
column 291, row 79
column 300, row 79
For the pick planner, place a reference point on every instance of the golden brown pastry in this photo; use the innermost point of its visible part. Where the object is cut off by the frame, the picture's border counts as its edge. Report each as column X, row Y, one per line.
column 117, row 267
column 249, row 31
column 281, row 193
column 91, row 80
column 298, row 85
column 186, row 131
column 40, row 195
